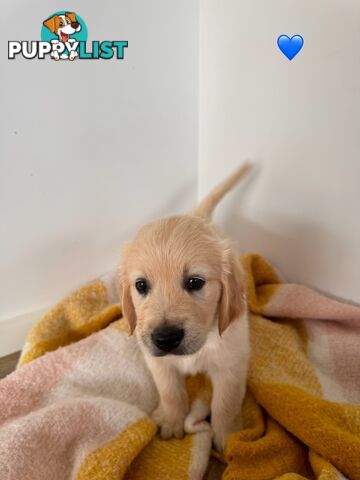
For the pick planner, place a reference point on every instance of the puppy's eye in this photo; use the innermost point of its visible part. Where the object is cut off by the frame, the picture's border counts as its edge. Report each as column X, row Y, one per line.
column 61, row 24
column 142, row 286
column 193, row 284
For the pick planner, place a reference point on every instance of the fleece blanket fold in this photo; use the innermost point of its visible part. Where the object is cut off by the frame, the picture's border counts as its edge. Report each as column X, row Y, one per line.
column 79, row 405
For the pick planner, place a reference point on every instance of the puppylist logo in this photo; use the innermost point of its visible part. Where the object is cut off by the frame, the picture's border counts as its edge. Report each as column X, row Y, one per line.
column 63, row 37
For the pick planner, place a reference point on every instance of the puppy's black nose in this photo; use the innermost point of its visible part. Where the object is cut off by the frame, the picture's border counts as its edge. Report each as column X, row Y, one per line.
column 167, row 338
column 75, row 24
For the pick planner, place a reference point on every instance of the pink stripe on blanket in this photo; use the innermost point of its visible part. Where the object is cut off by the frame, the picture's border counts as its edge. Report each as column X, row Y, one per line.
column 27, row 388
column 333, row 349
column 53, row 441
column 297, row 301
column 334, row 336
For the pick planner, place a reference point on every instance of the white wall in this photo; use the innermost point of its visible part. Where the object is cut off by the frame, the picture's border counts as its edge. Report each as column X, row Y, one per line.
column 89, row 150
column 299, row 119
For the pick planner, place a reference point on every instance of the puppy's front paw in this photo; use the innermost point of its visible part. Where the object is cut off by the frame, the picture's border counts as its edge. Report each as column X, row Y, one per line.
column 170, row 424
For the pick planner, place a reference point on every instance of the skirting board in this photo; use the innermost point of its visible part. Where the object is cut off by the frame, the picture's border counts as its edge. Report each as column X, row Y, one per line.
column 13, row 331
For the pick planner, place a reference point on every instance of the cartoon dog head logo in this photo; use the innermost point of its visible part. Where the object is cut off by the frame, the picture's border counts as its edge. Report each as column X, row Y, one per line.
column 61, row 26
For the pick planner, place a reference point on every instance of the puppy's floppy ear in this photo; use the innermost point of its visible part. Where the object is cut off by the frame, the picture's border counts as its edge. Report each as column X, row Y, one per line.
column 232, row 301
column 71, row 15
column 50, row 23
column 127, row 305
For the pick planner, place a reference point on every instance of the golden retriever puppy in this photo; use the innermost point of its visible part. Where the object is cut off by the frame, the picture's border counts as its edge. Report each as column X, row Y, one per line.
column 183, row 295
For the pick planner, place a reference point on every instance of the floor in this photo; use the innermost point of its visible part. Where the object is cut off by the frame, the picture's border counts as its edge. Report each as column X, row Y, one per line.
column 8, row 364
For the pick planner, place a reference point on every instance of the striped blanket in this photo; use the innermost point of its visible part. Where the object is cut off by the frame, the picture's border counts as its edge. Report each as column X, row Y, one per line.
column 78, row 407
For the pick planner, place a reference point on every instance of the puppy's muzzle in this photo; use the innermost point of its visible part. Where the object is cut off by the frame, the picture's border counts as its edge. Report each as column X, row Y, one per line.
column 167, row 338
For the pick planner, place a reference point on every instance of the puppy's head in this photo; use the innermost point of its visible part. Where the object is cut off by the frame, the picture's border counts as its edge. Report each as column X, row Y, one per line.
column 63, row 25
column 178, row 279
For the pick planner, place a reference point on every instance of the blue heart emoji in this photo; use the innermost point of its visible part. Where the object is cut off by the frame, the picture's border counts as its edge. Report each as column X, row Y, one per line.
column 290, row 47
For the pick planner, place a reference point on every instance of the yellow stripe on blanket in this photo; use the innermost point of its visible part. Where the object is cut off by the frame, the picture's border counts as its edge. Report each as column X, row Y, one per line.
column 111, row 461
column 331, row 429
column 84, row 312
column 263, row 450
column 173, row 460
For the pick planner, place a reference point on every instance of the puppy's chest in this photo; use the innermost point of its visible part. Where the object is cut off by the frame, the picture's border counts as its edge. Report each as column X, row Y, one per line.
column 206, row 360
column 195, row 364
column 231, row 350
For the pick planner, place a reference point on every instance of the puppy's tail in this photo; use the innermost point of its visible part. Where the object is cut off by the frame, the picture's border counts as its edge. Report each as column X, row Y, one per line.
column 208, row 204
